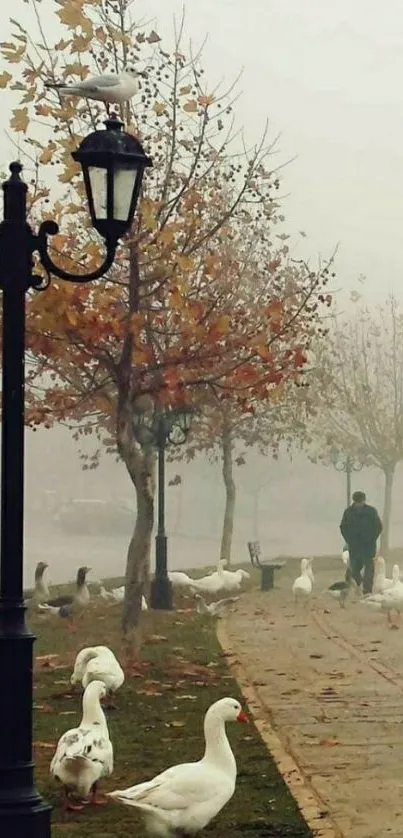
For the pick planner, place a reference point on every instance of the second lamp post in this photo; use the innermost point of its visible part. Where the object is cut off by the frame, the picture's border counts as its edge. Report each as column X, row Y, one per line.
column 162, row 426
column 346, row 463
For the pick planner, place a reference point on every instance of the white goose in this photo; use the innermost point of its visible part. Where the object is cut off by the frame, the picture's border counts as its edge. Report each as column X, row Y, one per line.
column 381, row 581
column 390, row 600
column 302, row 585
column 84, row 754
column 98, row 663
column 185, row 798
column 233, row 579
column 345, row 557
column 211, row 584
column 179, row 579
column 213, row 609
column 118, row 595
column 82, row 659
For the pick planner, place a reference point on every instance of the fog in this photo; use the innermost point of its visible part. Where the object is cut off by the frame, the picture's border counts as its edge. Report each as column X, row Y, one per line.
column 299, row 508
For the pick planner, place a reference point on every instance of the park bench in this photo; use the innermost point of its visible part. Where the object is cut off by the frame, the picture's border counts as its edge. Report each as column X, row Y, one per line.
column 267, row 567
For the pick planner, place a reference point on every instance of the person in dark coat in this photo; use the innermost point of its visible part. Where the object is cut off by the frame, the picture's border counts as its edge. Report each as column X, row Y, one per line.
column 360, row 528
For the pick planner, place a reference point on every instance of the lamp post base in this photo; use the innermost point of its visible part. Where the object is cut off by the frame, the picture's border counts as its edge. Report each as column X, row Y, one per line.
column 161, row 594
column 25, row 821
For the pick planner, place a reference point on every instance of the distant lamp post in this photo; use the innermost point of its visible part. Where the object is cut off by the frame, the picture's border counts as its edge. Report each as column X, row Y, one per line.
column 162, row 426
column 113, row 165
column 346, row 463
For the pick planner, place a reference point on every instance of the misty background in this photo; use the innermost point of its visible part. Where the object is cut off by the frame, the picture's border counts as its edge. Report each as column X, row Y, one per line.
column 327, row 76
column 299, row 508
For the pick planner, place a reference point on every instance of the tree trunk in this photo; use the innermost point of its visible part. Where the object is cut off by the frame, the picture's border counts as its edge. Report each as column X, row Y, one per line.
column 140, row 463
column 387, row 508
column 230, row 495
column 256, row 515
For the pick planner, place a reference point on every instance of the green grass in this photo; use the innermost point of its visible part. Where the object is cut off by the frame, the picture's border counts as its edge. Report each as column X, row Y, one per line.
column 158, row 723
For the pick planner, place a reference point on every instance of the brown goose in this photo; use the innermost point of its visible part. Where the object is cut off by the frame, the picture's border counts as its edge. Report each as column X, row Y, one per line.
column 66, row 604
column 41, row 591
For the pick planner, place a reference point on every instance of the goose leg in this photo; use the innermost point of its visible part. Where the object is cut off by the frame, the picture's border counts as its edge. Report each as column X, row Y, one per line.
column 94, row 799
column 68, row 805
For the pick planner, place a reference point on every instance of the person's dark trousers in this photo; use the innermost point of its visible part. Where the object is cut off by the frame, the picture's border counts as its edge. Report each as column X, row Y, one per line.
column 356, row 565
column 368, row 581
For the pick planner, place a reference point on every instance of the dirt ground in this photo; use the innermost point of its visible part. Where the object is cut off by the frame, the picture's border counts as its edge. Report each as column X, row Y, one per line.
column 331, row 681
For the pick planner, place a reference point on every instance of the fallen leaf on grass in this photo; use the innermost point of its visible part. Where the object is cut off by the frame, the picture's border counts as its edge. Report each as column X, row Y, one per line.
column 46, row 708
column 155, row 638
column 49, row 745
column 176, row 723
column 41, row 658
column 182, row 697
column 329, row 743
column 67, row 713
column 149, row 692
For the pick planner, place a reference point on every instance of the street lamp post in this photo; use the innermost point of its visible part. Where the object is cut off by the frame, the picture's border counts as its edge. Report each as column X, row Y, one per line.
column 348, row 465
column 163, row 426
column 113, row 165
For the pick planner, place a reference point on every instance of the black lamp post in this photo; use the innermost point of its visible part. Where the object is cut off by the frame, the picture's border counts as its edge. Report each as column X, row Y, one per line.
column 347, row 464
column 113, row 165
column 158, row 428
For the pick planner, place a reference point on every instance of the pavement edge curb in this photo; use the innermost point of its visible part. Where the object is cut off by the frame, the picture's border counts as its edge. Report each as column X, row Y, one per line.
column 309, row 802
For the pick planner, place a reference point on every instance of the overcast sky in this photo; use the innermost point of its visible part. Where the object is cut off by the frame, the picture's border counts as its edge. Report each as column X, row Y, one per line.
column 328, row 76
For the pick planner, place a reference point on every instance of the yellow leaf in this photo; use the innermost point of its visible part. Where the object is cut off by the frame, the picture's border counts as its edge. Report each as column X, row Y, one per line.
column 4, row 79
column 70, row 170
column 206, row 100
column 166, row 236
column 175, row 299
column 80, row 44
column 71, row 317
column 48, row 152
column 184, row 91
column 15, row 56
column 71, row 15
column 43, row 110
column 61, row 45
column 139, row 357
column 20, row 119
column 159, row 108
column 148, row 213
column 191, row 106
column 185, row 263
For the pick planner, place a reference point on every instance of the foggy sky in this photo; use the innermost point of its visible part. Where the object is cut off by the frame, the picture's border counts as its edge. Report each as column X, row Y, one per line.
column 328, row 77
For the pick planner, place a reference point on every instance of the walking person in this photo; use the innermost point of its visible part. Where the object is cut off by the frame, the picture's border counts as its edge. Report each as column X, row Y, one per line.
column 360, row 527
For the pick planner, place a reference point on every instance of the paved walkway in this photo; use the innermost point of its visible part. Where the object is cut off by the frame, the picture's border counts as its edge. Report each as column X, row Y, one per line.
column 331, row 683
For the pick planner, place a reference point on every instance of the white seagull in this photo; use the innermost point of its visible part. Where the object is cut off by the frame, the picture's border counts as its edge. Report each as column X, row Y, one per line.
column 114, row 88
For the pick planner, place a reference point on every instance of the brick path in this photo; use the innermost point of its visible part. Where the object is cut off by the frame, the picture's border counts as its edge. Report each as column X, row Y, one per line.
column 331, row 684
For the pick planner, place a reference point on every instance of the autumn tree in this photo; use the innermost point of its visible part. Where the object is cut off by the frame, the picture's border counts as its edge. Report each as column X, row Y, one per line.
column 179, row 312
column 230, row 426
column 360, row 368
column 226, row 433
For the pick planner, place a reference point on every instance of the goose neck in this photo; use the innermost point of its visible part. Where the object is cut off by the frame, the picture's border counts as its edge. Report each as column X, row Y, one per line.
column 218, row 750
column 92, row 710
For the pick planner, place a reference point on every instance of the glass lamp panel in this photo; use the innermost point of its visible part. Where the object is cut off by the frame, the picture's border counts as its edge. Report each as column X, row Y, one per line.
column 184, row 420
column 98, row 181
column 124, row 181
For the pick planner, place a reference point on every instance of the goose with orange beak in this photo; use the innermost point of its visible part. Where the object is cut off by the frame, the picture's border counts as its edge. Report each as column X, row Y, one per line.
column 186, row 797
